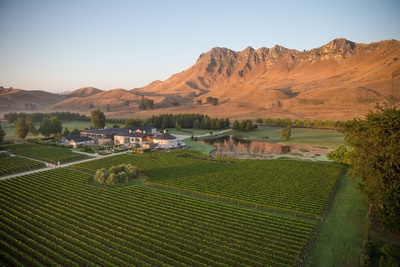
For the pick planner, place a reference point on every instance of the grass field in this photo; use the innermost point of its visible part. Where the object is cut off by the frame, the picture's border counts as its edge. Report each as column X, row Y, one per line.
column 316, row 137
column 341, row 234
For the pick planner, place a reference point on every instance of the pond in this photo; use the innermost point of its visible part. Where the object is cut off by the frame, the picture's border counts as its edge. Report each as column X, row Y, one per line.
column 233, row 146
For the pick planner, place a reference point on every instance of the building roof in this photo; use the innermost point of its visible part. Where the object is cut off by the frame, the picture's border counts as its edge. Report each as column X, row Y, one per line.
column 165, row 136
column 118, row 131
column 132, row 134
column 77, row 138
column 81, row 139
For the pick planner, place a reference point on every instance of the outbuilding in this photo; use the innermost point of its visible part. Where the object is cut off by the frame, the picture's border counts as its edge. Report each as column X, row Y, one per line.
column 166, row 140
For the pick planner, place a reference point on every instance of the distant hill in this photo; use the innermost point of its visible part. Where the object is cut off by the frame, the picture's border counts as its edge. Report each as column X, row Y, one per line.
column 18, row 100
column 84, row 92
column 339, row 80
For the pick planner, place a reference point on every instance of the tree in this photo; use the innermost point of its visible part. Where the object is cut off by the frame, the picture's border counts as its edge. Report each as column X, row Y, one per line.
column 318, row 123
column 375, row 158
column 101, row 176
column 146, row 103
column 298, row 123
column 130, row 123
column 50, row 126
column 98, row 119
column 2, row 134
column 286, row 132
column 307, row 123
column 116, row 174
column 126, row 103
column 31, row 126
column 269, row 121
column 66, row 132
column 45, row 127
column 196, row 124
column 76, row 131
column 339, row 155
column 212, row 100
column 21, row 129
column 287, row 121
column 236, row 125
column 278, row 122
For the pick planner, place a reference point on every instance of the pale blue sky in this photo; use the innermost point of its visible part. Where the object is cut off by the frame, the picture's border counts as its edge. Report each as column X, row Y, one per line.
column 62, row 45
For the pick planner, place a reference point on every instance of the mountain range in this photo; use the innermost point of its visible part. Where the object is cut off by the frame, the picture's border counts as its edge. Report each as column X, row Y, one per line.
column 339, row 80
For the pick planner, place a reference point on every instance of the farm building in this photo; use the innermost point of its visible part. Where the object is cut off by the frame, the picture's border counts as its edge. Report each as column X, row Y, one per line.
column 143, row 137
column 166, row 140
column 106, row 135
column 133, row 139
column 76, row 140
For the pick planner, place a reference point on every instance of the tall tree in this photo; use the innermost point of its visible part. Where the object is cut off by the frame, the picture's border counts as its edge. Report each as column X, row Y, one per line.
column 286, row 132
column 66, row 131
column 375, row 158
column 31, row 126
column 2, row 134
column 21, row 129
column 50, row 126
column 98, row 119
column 45, row 127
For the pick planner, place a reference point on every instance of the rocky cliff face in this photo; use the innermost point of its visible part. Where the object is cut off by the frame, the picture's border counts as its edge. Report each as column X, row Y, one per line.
column 332, row 77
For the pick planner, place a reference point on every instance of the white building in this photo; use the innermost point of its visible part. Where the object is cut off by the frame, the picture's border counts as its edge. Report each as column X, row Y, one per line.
column 76, row 141
column 132, row 139
column 166, row 140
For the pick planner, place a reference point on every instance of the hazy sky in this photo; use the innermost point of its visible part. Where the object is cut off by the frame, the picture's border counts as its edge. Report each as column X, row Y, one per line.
column 63, row 45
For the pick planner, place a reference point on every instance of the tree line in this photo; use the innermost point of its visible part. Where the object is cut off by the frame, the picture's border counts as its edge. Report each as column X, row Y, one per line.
column 200, row 121
column 38, row 117
column 328, row 124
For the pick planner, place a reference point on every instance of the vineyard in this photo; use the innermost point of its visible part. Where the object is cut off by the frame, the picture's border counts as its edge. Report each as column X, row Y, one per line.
column 295, row 187
column 54, row 218
column 49, row 154
column 10, row 165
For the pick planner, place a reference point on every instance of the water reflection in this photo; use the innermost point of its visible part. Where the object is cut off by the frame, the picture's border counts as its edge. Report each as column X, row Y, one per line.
column 233, row 146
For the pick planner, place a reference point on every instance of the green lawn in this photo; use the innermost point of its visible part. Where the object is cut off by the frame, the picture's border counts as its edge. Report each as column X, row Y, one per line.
column 341, row 234
column 317, row 137
column 198, row 147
